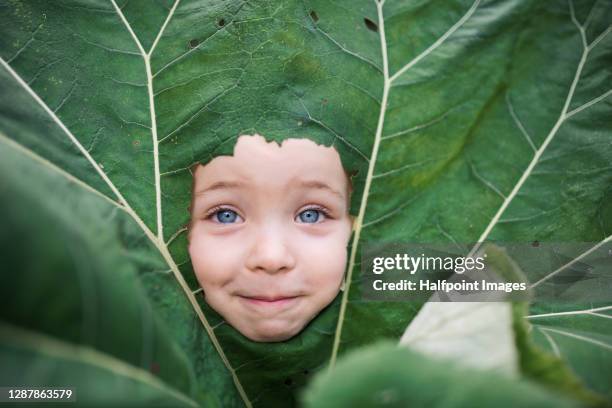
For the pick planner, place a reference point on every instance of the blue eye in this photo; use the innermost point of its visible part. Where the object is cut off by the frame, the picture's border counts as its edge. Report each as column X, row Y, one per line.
column 226, row 216
column 309, row 216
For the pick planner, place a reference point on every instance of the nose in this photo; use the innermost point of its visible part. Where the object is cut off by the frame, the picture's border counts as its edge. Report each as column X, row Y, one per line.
column 269, row 251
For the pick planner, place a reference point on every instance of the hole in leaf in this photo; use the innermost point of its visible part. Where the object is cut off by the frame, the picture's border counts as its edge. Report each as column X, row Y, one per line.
column 314, row 16
column 288, row 382
column 372, row 26
column 193, row 43
column 221, row 22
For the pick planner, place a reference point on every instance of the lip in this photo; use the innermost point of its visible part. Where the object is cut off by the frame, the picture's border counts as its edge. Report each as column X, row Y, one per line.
column 269, row 301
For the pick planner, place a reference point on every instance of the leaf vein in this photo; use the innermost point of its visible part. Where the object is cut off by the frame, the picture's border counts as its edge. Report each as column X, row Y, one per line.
column 541, row 149
column 438, row 42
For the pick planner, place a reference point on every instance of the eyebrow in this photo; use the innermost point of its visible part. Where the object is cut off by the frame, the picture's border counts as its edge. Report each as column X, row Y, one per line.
column 319, row 185
column 220, row 185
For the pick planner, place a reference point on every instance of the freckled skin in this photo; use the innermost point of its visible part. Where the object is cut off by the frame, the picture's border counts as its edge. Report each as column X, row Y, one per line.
column 269, row 272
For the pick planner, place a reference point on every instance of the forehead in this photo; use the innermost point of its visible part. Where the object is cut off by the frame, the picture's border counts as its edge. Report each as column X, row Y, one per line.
column 257, row 163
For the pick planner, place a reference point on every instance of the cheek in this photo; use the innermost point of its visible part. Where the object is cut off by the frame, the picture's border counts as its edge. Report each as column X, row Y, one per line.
column 324, row 259
column 214, row 263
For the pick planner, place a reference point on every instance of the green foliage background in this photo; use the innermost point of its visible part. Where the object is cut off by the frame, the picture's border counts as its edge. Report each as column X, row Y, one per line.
column 464, row 121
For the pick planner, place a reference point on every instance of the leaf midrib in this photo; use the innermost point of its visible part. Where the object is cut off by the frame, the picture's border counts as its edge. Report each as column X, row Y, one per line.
column 159, row 241
column 387, row 84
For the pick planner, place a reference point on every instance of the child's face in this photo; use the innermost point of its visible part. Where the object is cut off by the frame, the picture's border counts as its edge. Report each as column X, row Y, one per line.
column 269, row 233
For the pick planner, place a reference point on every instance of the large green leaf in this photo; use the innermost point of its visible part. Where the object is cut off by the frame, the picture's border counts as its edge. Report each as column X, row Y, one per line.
column 405, row 378
column 465, row 121
column 77, row 283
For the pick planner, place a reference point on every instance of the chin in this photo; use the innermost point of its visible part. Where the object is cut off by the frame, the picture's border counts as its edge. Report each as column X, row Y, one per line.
column 273, row 331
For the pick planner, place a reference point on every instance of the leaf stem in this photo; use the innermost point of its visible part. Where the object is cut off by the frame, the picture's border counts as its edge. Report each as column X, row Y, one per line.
column 364, row 198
